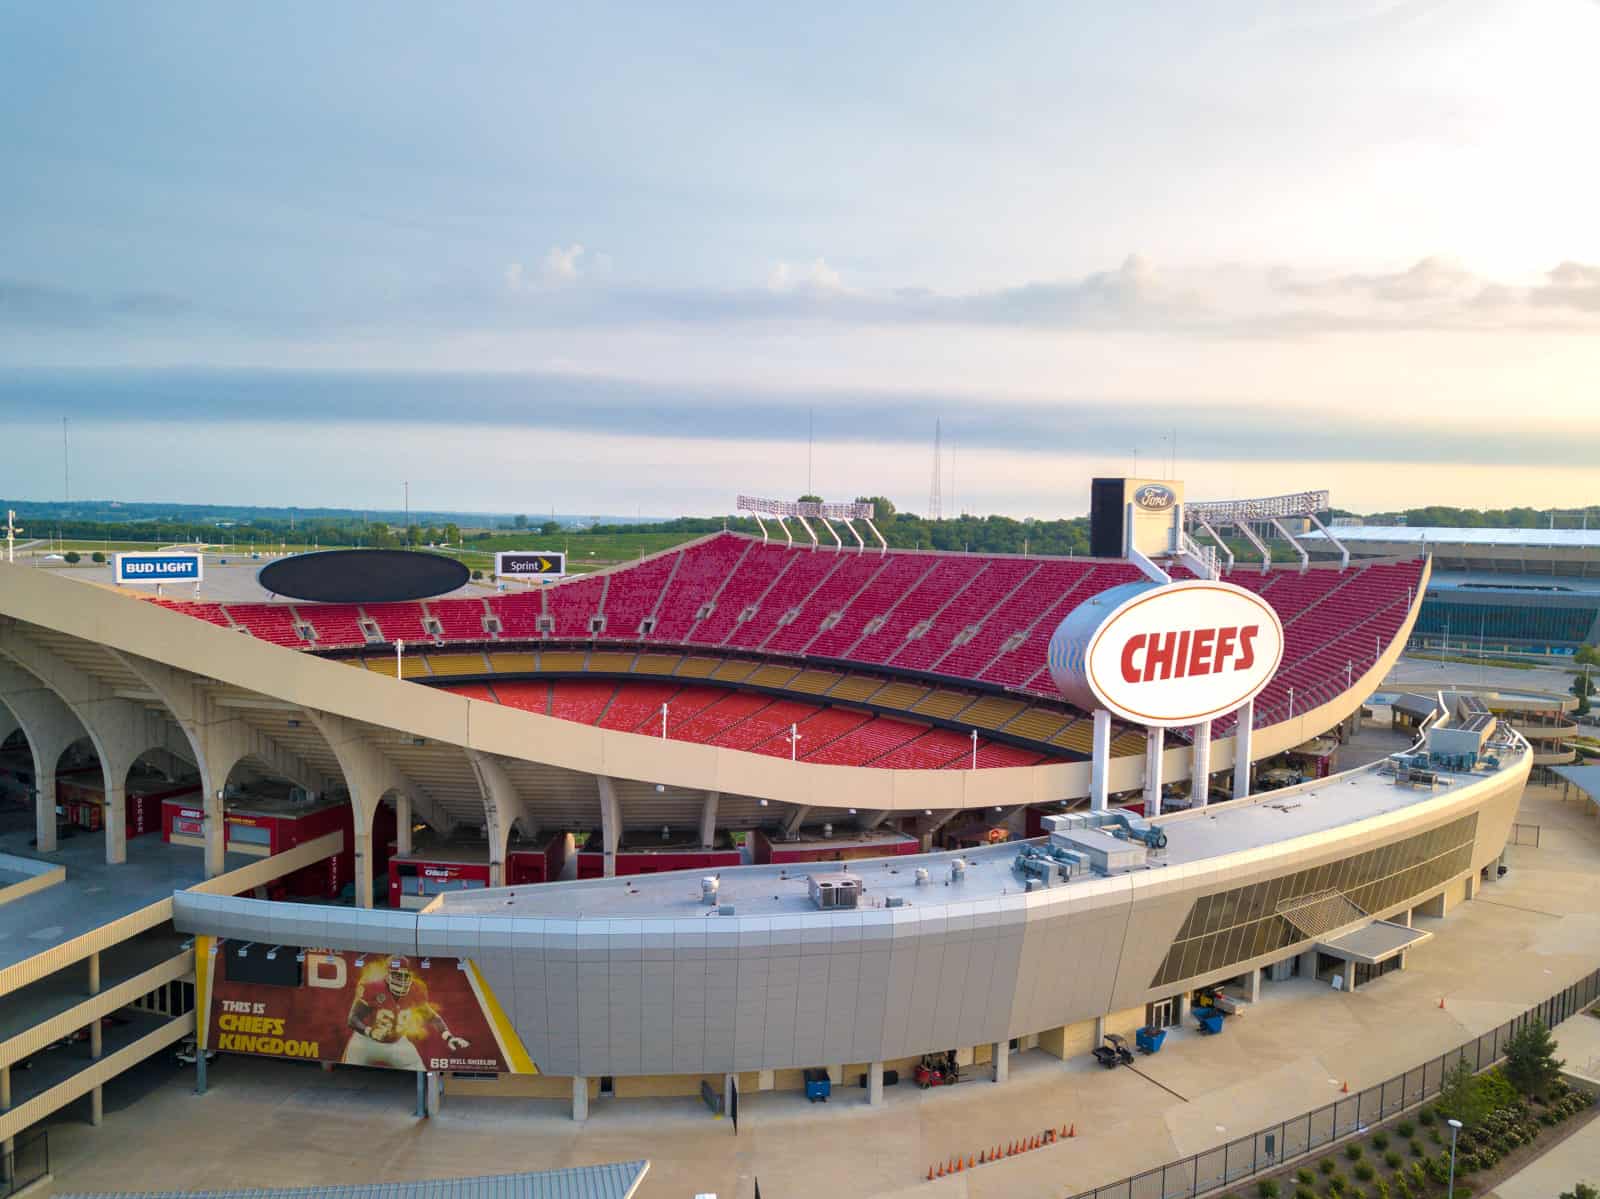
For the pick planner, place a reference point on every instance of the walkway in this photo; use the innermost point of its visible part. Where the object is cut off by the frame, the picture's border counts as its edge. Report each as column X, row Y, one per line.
column 283, row 1124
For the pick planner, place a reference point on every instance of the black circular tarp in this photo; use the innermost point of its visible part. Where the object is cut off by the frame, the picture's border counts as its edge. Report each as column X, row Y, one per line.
column 362, row 576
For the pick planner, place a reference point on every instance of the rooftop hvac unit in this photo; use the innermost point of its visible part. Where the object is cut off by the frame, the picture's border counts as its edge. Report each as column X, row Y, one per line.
column 830, row 891
column 708, row 890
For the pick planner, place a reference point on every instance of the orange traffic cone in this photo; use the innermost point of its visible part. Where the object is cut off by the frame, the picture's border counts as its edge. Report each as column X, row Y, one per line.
column 981, row 1159
column 958, row 1165
column 941, row 1171
column 1344, row 1088
column 969, row 1161
column 1072, row 1131
column 930, row 1173
column 1441, row 1002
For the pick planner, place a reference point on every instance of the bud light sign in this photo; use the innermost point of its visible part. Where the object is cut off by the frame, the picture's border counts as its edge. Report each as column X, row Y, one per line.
column 159, row 568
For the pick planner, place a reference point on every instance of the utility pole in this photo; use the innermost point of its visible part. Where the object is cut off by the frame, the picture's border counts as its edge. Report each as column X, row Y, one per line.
column 66, row 466
column 12, row 529
column 935, row 501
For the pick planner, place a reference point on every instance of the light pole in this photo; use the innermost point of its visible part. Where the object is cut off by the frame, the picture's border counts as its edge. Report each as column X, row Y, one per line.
column 974, row 749
column 794, row 740
column 663, row 722
column 1455, row 1128
column 1291, row 702
column 399, row 655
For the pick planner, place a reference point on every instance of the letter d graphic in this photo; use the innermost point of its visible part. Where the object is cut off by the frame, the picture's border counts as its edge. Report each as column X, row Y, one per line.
column 325, row 970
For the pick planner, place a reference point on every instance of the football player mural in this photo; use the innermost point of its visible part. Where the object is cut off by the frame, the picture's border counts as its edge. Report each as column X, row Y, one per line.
column 397, row 1013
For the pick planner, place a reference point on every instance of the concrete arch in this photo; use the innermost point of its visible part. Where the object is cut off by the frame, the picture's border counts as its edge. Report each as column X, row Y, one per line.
column 50, row 727
column 369, row 775
column 219, row 739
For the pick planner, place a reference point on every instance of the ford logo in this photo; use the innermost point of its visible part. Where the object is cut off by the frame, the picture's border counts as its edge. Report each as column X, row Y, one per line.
column 1155, row 497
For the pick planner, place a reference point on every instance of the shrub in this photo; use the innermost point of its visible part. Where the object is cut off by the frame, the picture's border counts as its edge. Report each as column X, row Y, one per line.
column 1392, row 1159
column 1337, row 1185
column 97, row 557
column 1381, row 1189
column 1439, row 1168
column 1304, row 1192
column 1326, row 1165
column 1581, row 1190
column 1402, row 1188
column 1354, row 1151
column 73, row 557
column 1267, row 1188
column 1406, row 1129
column 1425, row 1116
column 1415, row 1146
column 1531, row 1063
column 1364, row 1171
column 1380, row 1141
column 1304, row 1177
column 1435, row 1136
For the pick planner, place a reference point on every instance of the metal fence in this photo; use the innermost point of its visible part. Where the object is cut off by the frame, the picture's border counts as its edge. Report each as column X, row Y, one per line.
column 1272, row 1147
column 25, row 1162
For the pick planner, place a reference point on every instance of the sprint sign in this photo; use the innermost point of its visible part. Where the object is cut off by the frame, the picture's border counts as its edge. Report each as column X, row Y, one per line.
column 1167, row 655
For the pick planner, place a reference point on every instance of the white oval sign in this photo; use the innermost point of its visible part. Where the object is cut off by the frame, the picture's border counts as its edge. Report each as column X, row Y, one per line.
column 1174, row 655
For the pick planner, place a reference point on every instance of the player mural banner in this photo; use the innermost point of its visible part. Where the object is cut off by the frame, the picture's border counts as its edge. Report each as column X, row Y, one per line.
column 398, row 1013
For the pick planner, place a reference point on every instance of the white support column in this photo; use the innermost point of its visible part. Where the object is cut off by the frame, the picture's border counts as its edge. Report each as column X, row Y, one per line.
column 580, row 1097
column 792, row 823
column 1243, row 744
column 50, row 727
column 94, row 973
column 1255, row 985
column 1002, row 1060
column 708, row 820
column 1200, row 778
column 402, row 823
column 1155, row 745
column 1101, row 762
column 875, row 1084
column 610, row 823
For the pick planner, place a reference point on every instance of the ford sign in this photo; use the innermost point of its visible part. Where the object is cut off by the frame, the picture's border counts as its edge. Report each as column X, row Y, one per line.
column 1167, row 656
column 158, row 568
column 1155, row 497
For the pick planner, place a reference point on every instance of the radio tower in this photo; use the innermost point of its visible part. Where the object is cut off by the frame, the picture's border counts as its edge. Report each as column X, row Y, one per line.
column 935, row 496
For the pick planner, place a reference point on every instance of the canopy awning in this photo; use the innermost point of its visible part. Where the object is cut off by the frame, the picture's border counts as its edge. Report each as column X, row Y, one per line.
column 1584, row 778
column 1374, row 943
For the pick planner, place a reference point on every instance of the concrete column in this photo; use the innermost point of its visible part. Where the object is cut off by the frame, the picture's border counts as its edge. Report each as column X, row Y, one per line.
column 97, row 1110
column 363, row 862
column 44, row 809
column 1255, row 985
column 1308, row 964
column 1243, row 743
column 1099, row 1030
column 199, row 1071
column 1001, row 1053
column 97, row 1042
column 610, row 824
column 1406, row 917
column 875, row 1084
column 402, row 823
column 580, row 1097
column 1200, row 778
column 116, row 829
column 1183, row 1007
column 727, row 1094
column 5, row 1088
column 94, row 973
column 422, row 1094
column 1101, row 761
column 708, row 820
column 1469, row 886
column 435, row 1091
column 1155, row 744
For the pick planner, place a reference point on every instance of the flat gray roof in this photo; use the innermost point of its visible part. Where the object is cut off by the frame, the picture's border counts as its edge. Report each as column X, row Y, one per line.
column 1225, row 828
column 1375, row 942
column 612, row 1180
column 1588, row 539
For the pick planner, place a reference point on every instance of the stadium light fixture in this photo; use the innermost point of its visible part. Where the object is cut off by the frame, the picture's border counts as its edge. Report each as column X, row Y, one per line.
column 663, row 722
column 361, row 961
column 795, row 738
column 975, row 752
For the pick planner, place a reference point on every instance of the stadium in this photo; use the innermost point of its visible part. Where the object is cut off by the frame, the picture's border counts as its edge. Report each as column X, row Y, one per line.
column 759, row 813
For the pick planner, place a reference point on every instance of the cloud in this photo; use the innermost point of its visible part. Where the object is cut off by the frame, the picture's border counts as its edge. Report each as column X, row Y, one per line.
column 1574, row 285
column 560, row 404
column 817, row 277
column 561, row 265
column 24, row 303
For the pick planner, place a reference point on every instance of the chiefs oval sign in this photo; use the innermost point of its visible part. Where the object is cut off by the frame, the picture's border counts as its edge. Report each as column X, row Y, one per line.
column 1167, row 655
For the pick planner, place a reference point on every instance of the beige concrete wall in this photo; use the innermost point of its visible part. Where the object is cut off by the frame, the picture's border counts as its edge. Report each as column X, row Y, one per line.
column 1070, row 1041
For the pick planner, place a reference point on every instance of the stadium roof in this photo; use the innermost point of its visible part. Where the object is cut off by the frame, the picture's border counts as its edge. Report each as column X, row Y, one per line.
column 1564, row 539
column 613, row 1180
column 1584, row 778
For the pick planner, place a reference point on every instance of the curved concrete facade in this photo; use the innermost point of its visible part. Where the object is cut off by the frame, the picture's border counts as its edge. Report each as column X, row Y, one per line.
column 597, row 984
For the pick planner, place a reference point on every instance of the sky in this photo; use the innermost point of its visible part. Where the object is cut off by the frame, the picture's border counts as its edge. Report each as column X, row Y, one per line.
column 647, row 257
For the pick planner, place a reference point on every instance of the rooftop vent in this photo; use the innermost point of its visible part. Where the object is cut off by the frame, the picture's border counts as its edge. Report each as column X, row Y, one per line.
column 835, row 890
